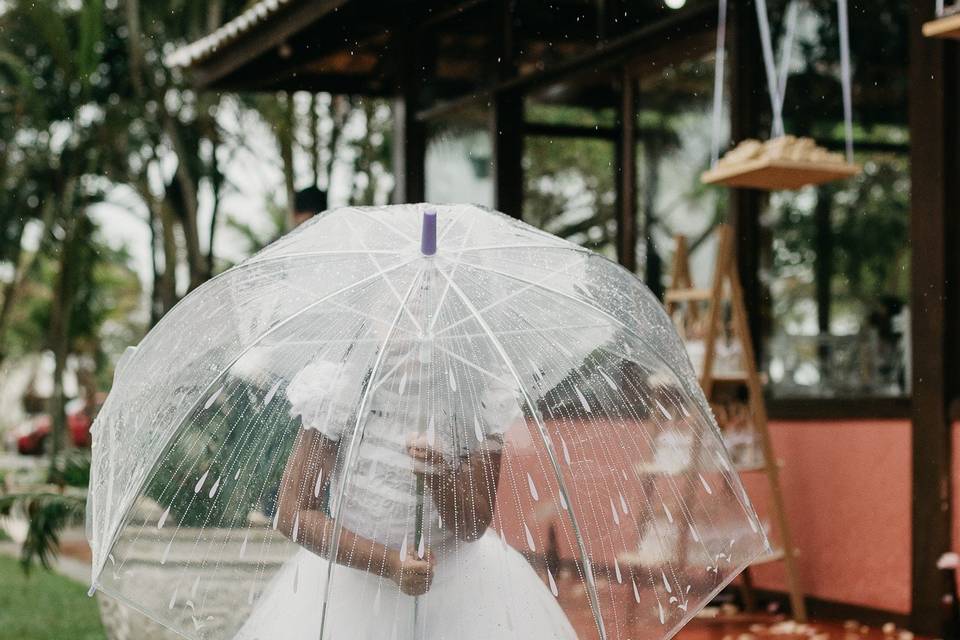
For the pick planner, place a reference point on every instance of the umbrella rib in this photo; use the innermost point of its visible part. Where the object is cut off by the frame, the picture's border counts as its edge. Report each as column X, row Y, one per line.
column 551, row 454
column 308, row 254
column 509, row 296
column 563, row 294
column 236, row 359
column 393, row 289
column 493, row 247
column 352, row 448
column 382, row 223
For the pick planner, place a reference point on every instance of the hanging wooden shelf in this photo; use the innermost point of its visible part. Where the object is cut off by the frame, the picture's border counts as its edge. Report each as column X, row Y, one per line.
column 784, row 162
column 945, row 27
column 775, row 175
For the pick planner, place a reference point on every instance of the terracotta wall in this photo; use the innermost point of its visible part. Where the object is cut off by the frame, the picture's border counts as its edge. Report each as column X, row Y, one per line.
column 847, row 490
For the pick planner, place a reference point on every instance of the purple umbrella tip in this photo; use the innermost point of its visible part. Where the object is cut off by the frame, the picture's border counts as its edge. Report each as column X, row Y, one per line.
column 428, row 236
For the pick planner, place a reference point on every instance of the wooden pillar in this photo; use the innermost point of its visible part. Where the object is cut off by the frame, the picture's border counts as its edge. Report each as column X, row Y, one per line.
column 409, row 134
column 626, row 169
column 409, row 152
column 747, row 91
column 506, row 129
column 934, row 176
column 506, row 119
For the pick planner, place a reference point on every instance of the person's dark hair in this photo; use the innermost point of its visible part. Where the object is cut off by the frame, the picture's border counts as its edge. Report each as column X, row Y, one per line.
column 310, row 200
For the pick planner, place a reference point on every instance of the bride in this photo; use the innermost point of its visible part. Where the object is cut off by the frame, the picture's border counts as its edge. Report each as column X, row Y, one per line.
column 458, row 578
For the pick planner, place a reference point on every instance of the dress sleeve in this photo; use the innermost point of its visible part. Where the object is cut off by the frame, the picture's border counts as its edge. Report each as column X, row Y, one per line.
column 319, row 396
column 500, row 408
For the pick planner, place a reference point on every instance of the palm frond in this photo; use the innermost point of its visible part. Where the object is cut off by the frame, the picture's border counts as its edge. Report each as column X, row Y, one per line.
column 48, row 514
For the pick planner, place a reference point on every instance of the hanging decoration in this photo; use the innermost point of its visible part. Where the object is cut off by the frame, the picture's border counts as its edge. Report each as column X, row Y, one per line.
column 946, row 24
column 784, row 161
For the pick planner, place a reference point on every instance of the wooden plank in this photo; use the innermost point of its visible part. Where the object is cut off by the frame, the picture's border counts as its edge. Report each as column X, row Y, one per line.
column 760, row 424
column 409, row 134
column 946, row 27
column 687, row 295
column 933, row 170
column 258, row 41
column 776, row 175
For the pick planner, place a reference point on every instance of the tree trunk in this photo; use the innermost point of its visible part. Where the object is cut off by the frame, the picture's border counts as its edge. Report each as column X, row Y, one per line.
column 188, row 188
column 60, row 312
column 285, row 135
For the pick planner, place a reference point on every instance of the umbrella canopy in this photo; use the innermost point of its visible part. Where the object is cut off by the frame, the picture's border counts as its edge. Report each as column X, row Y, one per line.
column 395, row 424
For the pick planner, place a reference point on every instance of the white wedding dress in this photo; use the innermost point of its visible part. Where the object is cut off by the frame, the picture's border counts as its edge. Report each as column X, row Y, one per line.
column 481, row 590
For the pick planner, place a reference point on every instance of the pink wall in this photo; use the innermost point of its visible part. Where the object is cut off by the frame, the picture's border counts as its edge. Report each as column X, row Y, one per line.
column 846, row 485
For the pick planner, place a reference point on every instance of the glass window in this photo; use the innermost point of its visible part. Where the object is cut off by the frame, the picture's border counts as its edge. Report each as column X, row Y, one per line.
column 837, row 271
column 458, row 163
column 569, row 173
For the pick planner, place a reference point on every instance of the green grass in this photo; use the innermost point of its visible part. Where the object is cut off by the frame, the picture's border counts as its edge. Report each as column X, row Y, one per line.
column 44, row 606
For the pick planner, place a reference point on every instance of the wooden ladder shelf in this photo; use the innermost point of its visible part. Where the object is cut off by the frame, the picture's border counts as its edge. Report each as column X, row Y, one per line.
column 683, row 300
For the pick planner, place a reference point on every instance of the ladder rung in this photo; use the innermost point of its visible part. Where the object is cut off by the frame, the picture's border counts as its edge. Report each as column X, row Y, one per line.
column 750, row 468
column 773, row 556
column 687, row 295
column 729, row 377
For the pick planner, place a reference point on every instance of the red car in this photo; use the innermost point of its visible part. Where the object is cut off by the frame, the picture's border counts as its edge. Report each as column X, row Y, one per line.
column 31, row 435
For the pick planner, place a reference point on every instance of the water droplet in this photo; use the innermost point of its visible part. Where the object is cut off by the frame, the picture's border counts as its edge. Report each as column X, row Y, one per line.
column 199, row 485
column 663, row 618
column 693, row 532
column 478, row 429
column 318, row 484
column 563, row 501
column 609, row 381
column 666, row 583
column 237, row 474
column 705, row 485
column 613, row 510
column 173, row 598
column 213, row 489
column 663, row 410
column 253, row 588
column 623, row 504
column 583, row 401
column 530, row 544
column 276, row 517
column 636, row 593
column 403, row 549
column 616, row 570
column 243, row 545
column 403, row 385
column 272, row 392
column 421, row 548
column 553, row 583
column 212, row 399
column 166, row 552
column 533, row 488
column 666, row 510
column 163, row 518
column 566, row 452
column 683, row 409
column 453, row 380
column 296, row 528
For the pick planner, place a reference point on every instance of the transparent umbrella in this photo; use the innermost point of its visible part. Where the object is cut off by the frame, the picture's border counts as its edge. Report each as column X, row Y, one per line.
column 415, row 421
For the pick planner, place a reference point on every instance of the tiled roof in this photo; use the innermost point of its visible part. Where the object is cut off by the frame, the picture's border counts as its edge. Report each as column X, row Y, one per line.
column 208, row 45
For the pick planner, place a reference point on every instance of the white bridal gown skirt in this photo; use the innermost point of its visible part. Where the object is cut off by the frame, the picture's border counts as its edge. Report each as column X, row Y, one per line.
column 487, row 590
